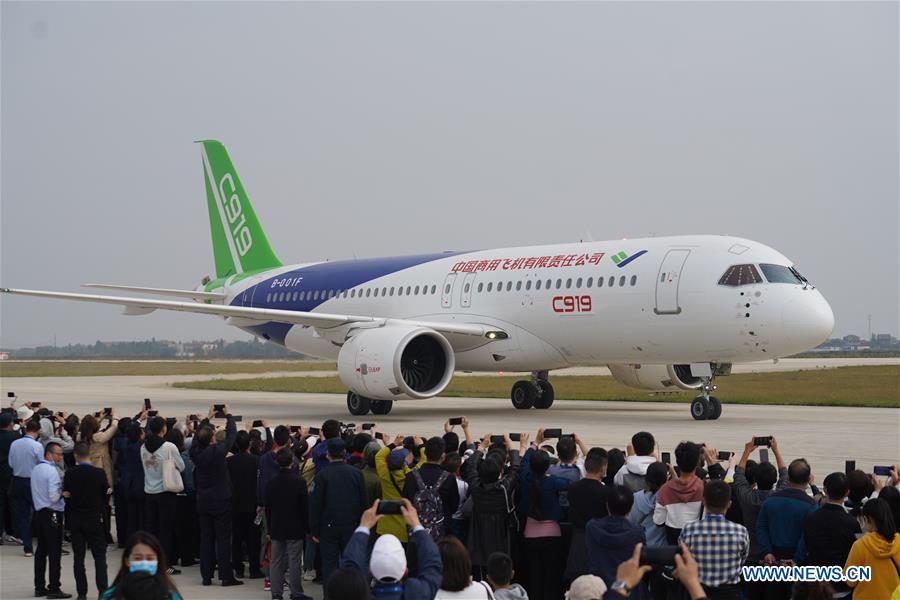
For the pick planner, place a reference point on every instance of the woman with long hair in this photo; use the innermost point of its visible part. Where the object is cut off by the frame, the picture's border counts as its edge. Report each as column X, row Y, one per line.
column 89, row 431
column 142, row 574
column 539, row 504
column 879, row 549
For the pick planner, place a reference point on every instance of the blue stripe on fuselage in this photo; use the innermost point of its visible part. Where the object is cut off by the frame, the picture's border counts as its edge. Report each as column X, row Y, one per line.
column 337, row 275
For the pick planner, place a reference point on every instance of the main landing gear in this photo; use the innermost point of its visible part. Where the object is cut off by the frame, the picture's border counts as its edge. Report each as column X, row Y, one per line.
column 360, row 405
column 534, row 393
column 705, row 407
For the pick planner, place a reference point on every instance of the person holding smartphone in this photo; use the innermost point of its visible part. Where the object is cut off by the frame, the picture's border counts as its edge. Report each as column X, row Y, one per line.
column 719, row 545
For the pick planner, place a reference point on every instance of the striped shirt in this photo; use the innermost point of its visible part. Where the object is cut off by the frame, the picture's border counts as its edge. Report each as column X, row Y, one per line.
column 720, row 548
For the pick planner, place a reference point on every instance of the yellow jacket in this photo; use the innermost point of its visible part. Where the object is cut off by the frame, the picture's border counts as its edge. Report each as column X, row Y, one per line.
column 872, row 550
column 392, row 489
column 100, row 456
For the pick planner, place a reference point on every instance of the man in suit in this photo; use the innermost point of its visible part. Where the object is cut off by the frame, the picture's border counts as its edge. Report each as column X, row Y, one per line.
column 338, row 500
column 86, row 490
column 242, row 467
column 287, row 515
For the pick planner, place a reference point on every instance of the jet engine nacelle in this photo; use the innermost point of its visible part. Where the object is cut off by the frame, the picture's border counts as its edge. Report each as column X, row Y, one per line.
column 658, row 378
column 396, row 363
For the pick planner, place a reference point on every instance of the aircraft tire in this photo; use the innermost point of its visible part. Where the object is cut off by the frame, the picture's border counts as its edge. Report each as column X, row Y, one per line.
column 545, row 394
column 700, row 408
column 523, row 394
column 715, row 409
column 382, row 407
column 357, row 405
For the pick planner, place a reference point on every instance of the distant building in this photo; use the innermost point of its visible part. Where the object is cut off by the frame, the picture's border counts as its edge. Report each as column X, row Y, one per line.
column 852, row 340
column 4, row 355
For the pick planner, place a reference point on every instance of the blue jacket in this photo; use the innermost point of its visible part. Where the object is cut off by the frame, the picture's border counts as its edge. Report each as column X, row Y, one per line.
column 779, row 524
column 425, row 585
column 551, row 486
column 642, row 515
column 268, row 469
column 610, row 541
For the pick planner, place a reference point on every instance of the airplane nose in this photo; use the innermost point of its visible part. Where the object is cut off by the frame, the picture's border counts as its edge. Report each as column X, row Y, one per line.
column 807, row 320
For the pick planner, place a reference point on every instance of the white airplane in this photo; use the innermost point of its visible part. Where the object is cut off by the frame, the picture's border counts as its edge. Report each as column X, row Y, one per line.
column 663, row 313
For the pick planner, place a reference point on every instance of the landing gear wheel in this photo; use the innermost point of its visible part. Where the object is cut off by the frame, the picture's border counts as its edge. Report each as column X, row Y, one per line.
column 715, row 409
column 523, row 394
column 382, row 407
column 357, row 405
column 545, row 394
column 700, row 408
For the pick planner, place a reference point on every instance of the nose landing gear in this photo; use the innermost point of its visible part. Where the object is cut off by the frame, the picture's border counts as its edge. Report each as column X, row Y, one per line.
column 706, row 407
column 534, row 393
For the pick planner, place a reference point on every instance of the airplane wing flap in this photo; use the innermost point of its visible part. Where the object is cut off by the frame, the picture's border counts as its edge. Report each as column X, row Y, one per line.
column 190, row 294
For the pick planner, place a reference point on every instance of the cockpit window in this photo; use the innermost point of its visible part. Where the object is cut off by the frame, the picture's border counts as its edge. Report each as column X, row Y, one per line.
column 781, row 274
column 740, row 275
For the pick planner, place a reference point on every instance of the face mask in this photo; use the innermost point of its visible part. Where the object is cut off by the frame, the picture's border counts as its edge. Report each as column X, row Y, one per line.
column 148, row 566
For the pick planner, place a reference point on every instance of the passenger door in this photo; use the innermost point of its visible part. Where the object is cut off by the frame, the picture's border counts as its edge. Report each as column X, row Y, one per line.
column 465, row 295
column 667, row 282
column 447, row 291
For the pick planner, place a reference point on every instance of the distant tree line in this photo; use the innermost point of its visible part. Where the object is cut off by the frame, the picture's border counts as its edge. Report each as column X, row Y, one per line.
column 165, row 349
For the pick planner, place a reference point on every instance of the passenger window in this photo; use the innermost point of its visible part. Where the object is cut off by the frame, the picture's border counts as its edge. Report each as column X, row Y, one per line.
column 518, row 286
column 590, row 282
column 738, row 275
column 569, row 283
column 480, row 287
column 612, row 281
column 400, row 290
column 368, row 292
column 537, row 284
column 578, row 283
column 316, row 295
column 375, row 293
column 508, row 286
column 466, row 290
column 269, row 297
column 446, row 289
column 353, row 293
column 408, row 289
column 599, row 282
column 622, row 281
column 558, row 283
column 548, row 284
column 528, row 285
column 490, row 286
column 633, row 280
column 295, row 296
column 662, row 278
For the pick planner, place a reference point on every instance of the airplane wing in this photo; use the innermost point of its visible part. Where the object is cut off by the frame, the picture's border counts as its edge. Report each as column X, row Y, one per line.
column 245, row 315
column 190, row 294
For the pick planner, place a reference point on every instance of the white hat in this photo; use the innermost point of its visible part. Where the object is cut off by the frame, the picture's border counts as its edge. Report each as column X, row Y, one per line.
column 24, row 413
column 388, row 560
column 586, row 587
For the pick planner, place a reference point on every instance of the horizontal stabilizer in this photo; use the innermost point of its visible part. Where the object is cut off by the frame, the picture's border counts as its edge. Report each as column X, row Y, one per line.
column 196, row 295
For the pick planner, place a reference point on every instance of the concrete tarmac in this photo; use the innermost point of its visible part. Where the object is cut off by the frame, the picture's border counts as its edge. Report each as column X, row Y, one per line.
column 826, row 436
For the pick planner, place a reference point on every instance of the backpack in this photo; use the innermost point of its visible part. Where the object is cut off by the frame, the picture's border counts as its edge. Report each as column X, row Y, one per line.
column 429, row 505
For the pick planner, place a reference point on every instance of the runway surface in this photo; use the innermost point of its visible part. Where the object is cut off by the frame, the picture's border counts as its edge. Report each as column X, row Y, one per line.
column 824, row 436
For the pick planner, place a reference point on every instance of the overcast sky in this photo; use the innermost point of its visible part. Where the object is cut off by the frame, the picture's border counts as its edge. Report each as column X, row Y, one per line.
column 383, row 128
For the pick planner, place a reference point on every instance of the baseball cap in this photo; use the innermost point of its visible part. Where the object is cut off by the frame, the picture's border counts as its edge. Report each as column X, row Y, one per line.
column 586, row 587
column 397, row 458
column 336, row 446
column 388, row 560
column 24, row 413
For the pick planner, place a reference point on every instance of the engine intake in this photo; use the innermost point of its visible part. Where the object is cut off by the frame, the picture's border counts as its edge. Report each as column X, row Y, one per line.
column 396, row 363
column 656, row 377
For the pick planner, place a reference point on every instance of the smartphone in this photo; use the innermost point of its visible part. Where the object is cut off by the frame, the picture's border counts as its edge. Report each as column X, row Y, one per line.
column 515, row 437
column 348, row 425
column 882, row 471
column 552, row 433
column 379, row 435
column 237, row 418
column 498, row 439
column 724, row 455
column 389, row 507
column 152, row 413
column 170, row 422
column 765, row 440
column 659, row 556
column 193, row 418
column 667, row 458
column 849, row 466
column 313, row 431
column 763, row 455
column 294, row 428
column 10, row 394
column 368, row 425
column 35, row 405
column 456, row 421
column 146, row 403
column 107, row 410
column 258, row 423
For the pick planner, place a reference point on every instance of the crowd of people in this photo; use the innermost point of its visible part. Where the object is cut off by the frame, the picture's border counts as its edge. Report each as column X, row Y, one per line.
column 370, row 515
